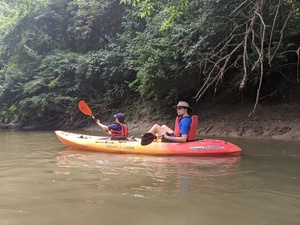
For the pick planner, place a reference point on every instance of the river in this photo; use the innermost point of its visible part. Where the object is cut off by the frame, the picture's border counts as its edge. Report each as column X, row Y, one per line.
column 45, row 183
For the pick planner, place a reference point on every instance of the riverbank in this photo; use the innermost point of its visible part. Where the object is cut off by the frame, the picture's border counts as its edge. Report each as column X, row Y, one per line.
column 281, row 121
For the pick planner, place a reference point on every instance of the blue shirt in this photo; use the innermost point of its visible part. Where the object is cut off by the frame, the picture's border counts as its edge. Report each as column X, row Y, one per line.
column 185, row 124
column 115, row 126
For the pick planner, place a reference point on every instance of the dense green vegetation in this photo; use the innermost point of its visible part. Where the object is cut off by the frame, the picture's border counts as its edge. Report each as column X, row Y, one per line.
column 117, row 54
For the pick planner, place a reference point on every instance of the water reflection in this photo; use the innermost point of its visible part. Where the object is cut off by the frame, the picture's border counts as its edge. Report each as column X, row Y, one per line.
column 146, row 176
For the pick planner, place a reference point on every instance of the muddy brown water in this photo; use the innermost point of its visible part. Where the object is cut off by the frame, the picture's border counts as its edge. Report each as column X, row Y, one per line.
column 45, row 183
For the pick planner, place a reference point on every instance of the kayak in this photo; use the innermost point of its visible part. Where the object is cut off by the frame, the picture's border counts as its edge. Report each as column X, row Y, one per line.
column 104, row 144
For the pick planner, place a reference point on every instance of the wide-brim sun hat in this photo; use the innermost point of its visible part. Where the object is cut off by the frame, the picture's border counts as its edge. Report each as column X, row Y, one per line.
column 183, row 104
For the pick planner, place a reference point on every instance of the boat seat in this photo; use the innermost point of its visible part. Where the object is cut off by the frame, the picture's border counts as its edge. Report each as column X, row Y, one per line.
column 117, row 138
column 193, row 128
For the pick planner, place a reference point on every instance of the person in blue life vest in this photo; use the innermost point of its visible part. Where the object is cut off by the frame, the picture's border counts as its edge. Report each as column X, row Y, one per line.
column 117, row 130
column 182, row 125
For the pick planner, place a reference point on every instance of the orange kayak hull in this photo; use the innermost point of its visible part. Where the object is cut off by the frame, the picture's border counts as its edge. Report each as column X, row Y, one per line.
column 104, row 144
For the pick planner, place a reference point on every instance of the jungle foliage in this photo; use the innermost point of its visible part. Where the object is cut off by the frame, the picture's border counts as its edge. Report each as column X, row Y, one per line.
column 115, row 53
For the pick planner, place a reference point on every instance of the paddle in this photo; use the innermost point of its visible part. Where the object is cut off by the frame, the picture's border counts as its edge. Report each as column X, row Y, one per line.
column 147, row 138
column 85, row 109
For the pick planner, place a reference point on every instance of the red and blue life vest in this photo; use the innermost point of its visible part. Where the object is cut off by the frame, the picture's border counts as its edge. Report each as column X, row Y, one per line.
column 192, row 130
column 120, row 134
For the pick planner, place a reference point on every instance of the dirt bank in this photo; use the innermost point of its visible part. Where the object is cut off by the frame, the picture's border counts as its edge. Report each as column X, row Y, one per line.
column 281, row 121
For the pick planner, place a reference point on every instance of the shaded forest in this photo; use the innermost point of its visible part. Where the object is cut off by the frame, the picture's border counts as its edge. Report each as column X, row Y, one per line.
column 142, row 55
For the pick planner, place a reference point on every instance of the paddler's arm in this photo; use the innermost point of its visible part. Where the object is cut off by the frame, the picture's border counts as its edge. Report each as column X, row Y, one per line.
column 104, row 127
column 183, row 138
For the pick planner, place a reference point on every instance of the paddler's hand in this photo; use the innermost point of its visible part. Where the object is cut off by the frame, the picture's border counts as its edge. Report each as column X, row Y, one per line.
column 164, row 135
